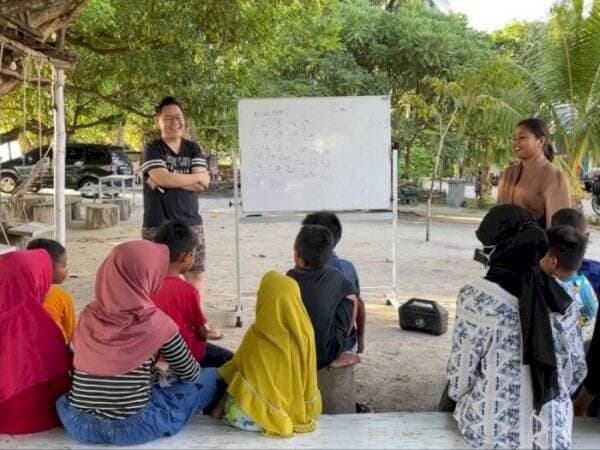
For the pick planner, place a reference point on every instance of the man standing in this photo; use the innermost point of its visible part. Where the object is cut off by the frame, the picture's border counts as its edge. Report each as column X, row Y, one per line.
column 174, row 171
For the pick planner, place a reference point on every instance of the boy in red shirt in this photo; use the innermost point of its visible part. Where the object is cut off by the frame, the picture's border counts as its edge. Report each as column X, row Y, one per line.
column 180, row 300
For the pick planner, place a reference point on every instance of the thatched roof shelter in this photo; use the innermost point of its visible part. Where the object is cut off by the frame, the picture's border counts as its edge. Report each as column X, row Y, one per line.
column 33, row 28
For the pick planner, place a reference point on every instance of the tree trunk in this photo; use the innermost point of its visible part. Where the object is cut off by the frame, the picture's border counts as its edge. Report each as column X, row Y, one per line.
column 486, row 185
column 338, row 389
column 121, row 134
column 441, row 174
column 101, row 216
column 438, row 157
column 407, row 163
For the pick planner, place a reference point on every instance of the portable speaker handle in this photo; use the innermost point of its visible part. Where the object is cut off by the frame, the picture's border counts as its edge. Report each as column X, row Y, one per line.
column 431, row 303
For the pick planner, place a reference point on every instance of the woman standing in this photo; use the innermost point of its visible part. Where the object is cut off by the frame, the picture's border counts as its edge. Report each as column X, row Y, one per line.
column 517, row 354
column 33, row 355
column 534, row 183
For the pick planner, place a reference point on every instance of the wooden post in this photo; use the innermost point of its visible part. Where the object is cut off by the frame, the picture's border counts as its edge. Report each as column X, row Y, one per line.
column 60, row 141
column 101, row 216
column 124, row 205
column 43, row 213
column 338, row 391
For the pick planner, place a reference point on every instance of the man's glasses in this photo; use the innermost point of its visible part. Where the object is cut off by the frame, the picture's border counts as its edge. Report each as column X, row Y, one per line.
column 170, row 119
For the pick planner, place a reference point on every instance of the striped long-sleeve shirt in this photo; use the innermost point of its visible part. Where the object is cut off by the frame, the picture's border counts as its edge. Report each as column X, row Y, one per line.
column 120, row 396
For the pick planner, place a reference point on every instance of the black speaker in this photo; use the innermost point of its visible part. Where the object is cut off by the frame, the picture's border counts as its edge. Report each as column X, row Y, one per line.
column 423, row 315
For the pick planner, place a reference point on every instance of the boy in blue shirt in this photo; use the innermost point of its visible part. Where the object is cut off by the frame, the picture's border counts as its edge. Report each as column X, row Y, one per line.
column 590, row 268
column 565, row 253
column 330, row 221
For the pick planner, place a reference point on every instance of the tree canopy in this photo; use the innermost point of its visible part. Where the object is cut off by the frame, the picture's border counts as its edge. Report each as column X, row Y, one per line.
column 210, row 53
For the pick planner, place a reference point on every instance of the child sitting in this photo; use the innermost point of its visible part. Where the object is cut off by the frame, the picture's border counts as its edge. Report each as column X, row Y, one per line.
column 329, row 298
column 180, row 300
column 58, row 303
column 589, row 267
column 272, row 379
column 565, row 253
column 333, row 224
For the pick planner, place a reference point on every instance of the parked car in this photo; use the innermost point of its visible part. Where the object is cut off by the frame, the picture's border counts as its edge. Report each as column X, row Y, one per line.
column 587, row 179
column 84, row 164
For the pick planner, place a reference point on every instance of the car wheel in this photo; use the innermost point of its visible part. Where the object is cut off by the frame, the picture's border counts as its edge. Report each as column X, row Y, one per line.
column 8, row 183
column 87, row 187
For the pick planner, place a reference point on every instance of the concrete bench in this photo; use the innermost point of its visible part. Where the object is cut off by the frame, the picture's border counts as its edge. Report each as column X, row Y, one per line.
column 27, row 231
column 356, row 431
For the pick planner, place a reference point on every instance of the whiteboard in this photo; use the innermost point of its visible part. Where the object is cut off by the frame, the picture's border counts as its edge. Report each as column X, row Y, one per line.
column 313, row 153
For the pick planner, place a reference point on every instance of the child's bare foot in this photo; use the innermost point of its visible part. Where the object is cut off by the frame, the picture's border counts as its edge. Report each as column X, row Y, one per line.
column 346, row 359
column 214, row 334
column 217, row 413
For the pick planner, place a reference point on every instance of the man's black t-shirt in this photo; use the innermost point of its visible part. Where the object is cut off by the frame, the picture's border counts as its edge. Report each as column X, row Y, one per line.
column 324, row 293
column 171, row 204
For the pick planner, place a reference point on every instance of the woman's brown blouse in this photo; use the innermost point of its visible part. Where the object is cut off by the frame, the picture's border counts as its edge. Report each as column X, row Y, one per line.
column 542, row 189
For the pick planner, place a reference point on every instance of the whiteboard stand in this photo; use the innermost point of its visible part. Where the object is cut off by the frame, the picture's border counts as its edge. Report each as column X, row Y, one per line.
column 295, row 150
column 237, row 206
column 392, row 297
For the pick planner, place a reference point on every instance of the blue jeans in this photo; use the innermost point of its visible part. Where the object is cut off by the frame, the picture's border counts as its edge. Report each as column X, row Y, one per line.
column 215, row 356
column 166, row 414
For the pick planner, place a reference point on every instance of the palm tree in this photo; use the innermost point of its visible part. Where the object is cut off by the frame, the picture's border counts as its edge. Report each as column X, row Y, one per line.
column 564, row 80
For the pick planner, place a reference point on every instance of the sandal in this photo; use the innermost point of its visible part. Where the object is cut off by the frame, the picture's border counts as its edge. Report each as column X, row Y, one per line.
column 363, row 408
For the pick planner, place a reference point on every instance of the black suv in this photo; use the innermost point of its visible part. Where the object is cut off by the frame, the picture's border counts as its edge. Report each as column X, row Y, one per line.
column 84, row 164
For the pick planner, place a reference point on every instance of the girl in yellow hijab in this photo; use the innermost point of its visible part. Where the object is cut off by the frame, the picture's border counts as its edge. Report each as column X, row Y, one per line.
column 272, row 379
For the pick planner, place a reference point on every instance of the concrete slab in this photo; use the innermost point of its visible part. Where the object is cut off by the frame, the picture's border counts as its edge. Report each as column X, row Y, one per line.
column 356, row 431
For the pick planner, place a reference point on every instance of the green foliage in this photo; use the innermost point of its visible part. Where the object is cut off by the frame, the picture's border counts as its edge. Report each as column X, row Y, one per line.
column 564, row 82
column 210, row 53
column 420, row 165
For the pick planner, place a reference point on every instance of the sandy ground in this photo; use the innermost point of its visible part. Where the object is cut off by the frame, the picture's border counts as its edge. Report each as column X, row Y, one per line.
column 401, row 370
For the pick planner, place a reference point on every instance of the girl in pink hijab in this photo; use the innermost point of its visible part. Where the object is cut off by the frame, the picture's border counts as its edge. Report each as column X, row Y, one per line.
column 117, row 341
column 33, row 355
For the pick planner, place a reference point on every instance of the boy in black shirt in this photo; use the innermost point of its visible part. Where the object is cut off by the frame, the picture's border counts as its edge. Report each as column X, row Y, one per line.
column 328, row 296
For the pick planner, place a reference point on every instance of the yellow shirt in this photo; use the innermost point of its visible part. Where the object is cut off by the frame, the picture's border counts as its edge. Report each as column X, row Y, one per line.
column 59, row 305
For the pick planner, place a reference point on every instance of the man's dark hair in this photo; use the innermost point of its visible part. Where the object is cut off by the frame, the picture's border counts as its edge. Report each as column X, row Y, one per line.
column 314, row 244
column 169, row 100
column 569, row 217
column 54, row 249
column 178, row 237
column 327, row 219
column 568, row 246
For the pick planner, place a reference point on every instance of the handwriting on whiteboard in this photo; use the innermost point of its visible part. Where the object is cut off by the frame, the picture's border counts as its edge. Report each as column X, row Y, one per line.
column 301, row 154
